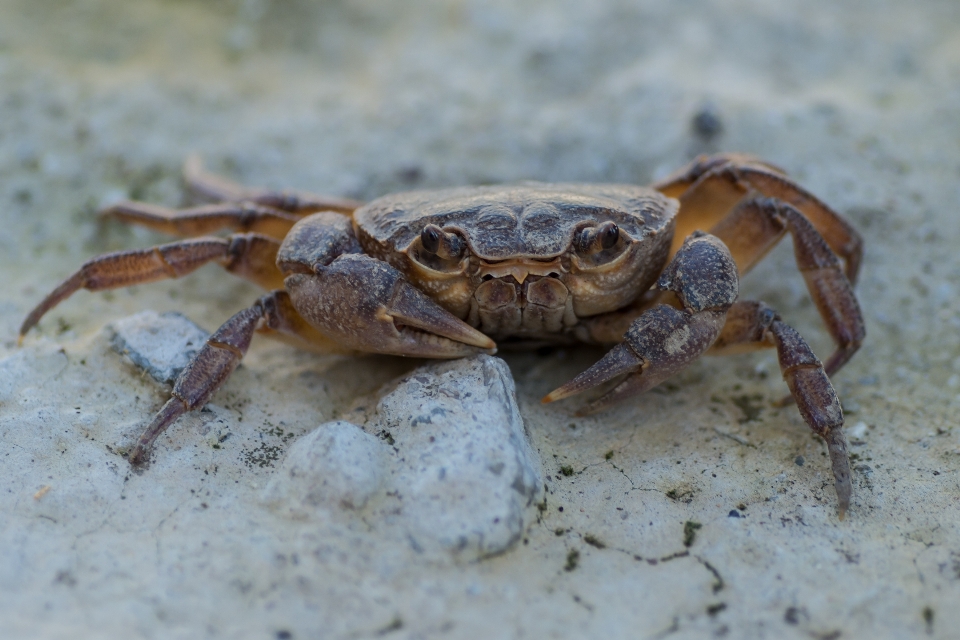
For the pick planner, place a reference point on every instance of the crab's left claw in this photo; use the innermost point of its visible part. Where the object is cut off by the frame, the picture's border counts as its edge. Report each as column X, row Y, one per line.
column 365, row 304
column 660, row 343
column 621, row 360
column 665, row 339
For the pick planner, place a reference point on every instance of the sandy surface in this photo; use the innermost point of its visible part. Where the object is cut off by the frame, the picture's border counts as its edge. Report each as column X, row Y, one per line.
column 697, row 510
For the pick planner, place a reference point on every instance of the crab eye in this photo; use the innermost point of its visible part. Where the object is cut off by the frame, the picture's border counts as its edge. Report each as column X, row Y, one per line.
column 608, row 234
column 430, row 238
column 438, row 243
column 595, row 239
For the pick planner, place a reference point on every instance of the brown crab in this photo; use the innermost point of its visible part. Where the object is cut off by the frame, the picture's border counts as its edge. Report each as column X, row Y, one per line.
column 442, row 274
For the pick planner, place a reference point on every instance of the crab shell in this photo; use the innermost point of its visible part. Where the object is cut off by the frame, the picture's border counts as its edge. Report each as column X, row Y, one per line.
column 522, row 273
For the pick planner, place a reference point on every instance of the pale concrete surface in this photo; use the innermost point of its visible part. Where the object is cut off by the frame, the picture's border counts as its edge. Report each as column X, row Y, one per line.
column 103, row 99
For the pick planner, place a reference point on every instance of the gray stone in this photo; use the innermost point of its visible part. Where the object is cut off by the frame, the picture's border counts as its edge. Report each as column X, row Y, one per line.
column 450, row 459
column 336, row 466
column 465, row 476
column 160, row 344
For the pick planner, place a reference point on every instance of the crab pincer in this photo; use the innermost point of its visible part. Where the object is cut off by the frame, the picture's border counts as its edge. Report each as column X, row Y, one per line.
column 367, row 305
column 665, row 339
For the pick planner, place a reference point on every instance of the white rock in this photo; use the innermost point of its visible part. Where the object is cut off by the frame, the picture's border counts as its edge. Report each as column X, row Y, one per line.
column 858, row 431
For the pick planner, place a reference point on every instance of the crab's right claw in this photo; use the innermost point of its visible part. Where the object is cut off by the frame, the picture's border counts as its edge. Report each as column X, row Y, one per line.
column 367, row 305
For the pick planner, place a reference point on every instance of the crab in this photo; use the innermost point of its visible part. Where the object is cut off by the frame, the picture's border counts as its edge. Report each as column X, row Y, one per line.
column 651, row 272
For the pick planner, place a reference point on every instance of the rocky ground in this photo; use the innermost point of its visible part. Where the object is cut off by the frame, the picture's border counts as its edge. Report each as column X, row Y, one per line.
column 697, row 510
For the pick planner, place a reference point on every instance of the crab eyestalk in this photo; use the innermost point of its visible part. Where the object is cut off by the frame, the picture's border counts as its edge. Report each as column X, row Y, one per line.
column 595, row 239
column 448, row 246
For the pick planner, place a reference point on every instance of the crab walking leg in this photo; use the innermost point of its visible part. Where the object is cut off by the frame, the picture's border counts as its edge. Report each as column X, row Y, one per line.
column 712, row 185
column 196, row 221
column 217, row 359
column 249, row 255
column 754, row 324
column 211, row 187
column 755, row 226
column 664, row 339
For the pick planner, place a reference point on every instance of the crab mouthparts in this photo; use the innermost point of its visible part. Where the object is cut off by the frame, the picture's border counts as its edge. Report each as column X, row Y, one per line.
column 520, row 268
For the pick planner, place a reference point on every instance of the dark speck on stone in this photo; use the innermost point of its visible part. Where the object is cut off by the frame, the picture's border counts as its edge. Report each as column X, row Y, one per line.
column 799, row 461
column 733, row 514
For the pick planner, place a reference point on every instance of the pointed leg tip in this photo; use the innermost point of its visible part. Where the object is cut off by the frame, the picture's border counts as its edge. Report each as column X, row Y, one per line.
column 843, row 505
column 560, row 394
column 117, row 208
column 29, row 323
column 137, row 456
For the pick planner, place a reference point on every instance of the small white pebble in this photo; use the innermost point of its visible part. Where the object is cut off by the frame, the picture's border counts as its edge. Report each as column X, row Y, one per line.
column 858, row 430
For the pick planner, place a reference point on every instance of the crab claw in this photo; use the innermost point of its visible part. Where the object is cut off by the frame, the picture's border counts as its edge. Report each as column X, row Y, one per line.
column 621, row 360
column 368, row 306
column 657, row 345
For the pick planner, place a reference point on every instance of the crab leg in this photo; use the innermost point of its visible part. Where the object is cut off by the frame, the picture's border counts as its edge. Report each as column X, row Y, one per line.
column 664, row 339
column 754, row 324
column 712, row 185
column 211, row 187
column 217, row 359
column 195, row 221
column 249, row 255
column 755, row 226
